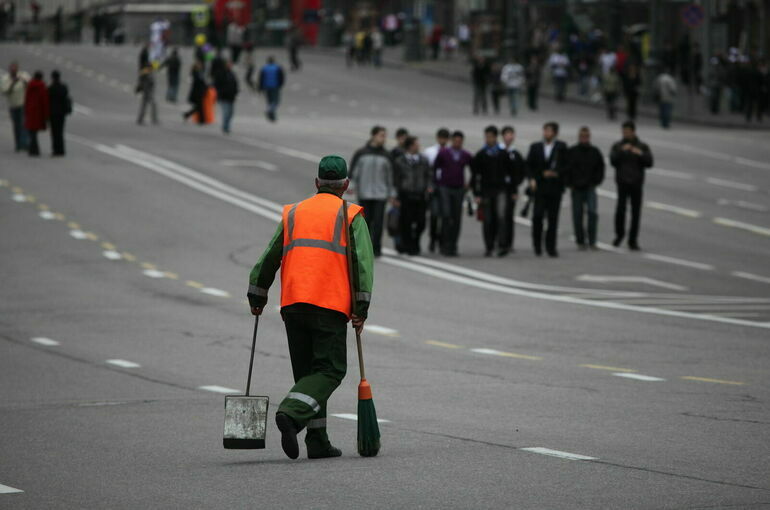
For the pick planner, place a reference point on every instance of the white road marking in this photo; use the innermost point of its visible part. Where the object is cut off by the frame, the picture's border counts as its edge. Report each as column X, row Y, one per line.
column 751, row 162
column 112, row 255
column 671, row 173
column 380, row 330
column 47, row 215
column 83, row 110
column 264, row 165
column 287, row 151
column 19, row 197
column 220, row 389
column 629, row 279
column 557, row 453
column 44, row 341
column 494, row 352
column 354, row 417
column 4, row 489
column 674, row 209
column 272, row 211
column 78, row 234
column 731, row 184
column 679, row 262
column 123, row 363
column 638, row 377
column 750, row 276
column 154, row 273
column 215, row 292
column 725, row 222
column 743, row 204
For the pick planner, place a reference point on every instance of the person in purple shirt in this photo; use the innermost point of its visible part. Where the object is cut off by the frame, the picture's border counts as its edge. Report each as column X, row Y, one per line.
column 449, row 177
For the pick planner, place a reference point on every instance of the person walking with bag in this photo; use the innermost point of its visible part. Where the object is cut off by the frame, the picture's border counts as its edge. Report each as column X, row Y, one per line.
column 60, row 104
column 309, row 246
column 36, row 110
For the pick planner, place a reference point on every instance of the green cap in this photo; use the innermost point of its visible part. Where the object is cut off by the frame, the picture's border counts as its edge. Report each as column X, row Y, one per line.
column 332, row 168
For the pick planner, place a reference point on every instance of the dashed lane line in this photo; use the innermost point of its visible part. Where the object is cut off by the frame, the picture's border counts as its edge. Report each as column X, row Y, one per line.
column 690, row 213
column 638, row 377
column 220, row 389
column 743, row 204
column 354, row 417
column 731, row 184
column 726, row 222
column 605, row 367
column 557, row 453
column 5, row 489
column 443, row 344
column 48, row 342
column 123, row 363
column 495, row 352
column 153, row 273
column 215, row 292
column 709, row 380
column 751, row 276
column 679, row 262
column 676, row 174
column 380, row 330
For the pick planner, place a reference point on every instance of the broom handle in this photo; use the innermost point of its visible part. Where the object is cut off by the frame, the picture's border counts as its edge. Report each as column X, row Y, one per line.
column 349, row 255
column 251, row 361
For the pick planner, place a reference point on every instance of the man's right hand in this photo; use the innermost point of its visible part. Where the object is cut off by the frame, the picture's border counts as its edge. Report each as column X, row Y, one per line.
column 256, row 310
column 358, row 323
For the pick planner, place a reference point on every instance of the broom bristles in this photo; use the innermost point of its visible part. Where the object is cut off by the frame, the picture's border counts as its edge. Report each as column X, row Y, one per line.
column 368, row 429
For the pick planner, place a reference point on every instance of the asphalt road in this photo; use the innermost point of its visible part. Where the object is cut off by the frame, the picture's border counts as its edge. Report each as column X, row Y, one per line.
column 603, row 379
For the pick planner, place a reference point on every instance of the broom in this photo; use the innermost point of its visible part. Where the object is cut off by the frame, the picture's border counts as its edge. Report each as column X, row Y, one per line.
column 368, row 430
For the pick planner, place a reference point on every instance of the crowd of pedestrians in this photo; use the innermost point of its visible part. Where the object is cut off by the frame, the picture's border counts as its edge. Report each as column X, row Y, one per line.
column 411, row 189
column 34, row 106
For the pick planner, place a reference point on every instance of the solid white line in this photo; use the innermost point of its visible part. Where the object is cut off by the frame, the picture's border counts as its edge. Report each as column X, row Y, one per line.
column 743, row 204
column 286, row 151
column 123, row 363
column 751, row 162
column 674, row 209
column 44, row 341
column 354, row 417
column 638, row 377
column 557, row 453
column 750, row 276
column 4, row 489
column 725, row 222
column 671, row 173
column 249, row 163
column 380, row 330
column 629, row 279
column 679, row 262
column 220, row 389
column 731, row 184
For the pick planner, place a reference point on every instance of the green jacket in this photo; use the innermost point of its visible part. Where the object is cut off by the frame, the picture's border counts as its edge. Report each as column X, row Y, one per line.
column 263, row 273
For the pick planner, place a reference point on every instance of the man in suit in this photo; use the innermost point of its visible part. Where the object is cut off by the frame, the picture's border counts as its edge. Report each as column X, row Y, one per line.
column 546, row 163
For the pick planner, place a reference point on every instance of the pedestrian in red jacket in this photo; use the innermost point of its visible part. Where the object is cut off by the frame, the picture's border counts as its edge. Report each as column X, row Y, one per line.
column 36, row 111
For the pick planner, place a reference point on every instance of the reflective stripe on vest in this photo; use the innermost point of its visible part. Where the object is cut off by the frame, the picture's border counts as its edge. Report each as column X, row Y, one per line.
column 314, row 266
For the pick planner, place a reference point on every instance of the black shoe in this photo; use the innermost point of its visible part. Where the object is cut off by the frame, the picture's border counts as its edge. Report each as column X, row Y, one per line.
column 538, row 252
column 488, row 253
column 553, row 253
column 503, row 252
column 582, row 247
column 617, row 241
column 633, row 247
column 330, row 452
column 288, row 435
column 593, row 247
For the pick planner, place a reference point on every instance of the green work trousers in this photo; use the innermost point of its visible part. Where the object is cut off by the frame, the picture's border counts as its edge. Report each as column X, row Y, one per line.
column 319, row 362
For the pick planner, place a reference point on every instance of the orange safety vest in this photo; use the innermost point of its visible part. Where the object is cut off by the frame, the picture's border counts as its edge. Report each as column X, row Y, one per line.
column 314, row 267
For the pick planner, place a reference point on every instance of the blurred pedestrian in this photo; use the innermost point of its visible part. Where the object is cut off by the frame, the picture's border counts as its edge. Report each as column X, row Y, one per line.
column 498, row 88
column 227, row 90
column 532, row 76
column 217, row 65
column 512, row 76
column 250, row 67
column 434, row 230
column 584, row 173
column 717, row 78
column 173, row 65
column 197, row 93
column 401, row 135
column 480, row 72
column 559, row 64
column 752, row 93
column 764, row 89
column 435, row 40
column 607, row 61
column 546, row 165
column 631, row 84
column 146, row 87
column 234, row 37
column 517, row 170
column 144, row 56
column 14, row 87
column 610, row 88
column 36, row 111
column 294, row 42
column 631, row 158
column 377, row 45
column 349, row 42
column 60, row 105
column 413, row 179
column 271, row 79
column 665, row 93
column 159, row 35
column 449, row 176
column 492, row 187
column 371, row 173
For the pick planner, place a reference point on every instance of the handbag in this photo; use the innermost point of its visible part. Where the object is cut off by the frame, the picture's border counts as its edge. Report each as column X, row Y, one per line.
column 392, row 221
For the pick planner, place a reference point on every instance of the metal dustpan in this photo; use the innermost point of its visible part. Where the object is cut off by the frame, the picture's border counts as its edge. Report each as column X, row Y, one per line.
column 246, row 415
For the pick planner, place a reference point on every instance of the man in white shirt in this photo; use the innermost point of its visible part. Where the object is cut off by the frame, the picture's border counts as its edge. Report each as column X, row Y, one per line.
column 14, row 87
column 442, row 139
column 559, row 64
column 512, row 76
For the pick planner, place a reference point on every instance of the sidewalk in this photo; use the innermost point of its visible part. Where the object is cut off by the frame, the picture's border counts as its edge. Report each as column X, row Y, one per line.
column 689, row 109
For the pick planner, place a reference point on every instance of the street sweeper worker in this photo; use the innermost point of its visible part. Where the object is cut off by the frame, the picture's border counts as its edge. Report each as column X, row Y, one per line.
column 310, row 247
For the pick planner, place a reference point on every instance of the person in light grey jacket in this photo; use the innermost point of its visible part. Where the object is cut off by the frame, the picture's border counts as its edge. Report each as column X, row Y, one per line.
column 371, row 176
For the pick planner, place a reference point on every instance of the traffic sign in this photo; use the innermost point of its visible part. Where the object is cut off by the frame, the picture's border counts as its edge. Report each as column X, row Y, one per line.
column 692, row 15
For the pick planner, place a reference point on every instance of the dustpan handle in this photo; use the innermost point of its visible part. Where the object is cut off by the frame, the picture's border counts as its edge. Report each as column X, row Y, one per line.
column 251, row 361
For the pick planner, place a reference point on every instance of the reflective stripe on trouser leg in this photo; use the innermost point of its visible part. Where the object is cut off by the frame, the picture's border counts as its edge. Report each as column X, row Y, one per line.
column 316, row 438
column 306, row 399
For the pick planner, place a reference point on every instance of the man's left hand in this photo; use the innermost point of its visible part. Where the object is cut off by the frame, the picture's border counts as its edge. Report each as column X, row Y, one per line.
column 358, row 323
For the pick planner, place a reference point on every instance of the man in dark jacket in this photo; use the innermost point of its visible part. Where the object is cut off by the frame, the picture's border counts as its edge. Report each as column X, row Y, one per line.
column 491, row 182
column 631, row 158
column 60, row 105
column 584, row 173
column 546, row 165
column 480, row 72
column 518, row 170
column 146, row 87
column 197, row 93
column 173, row 65
column 412, row 176
column 227, row 89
